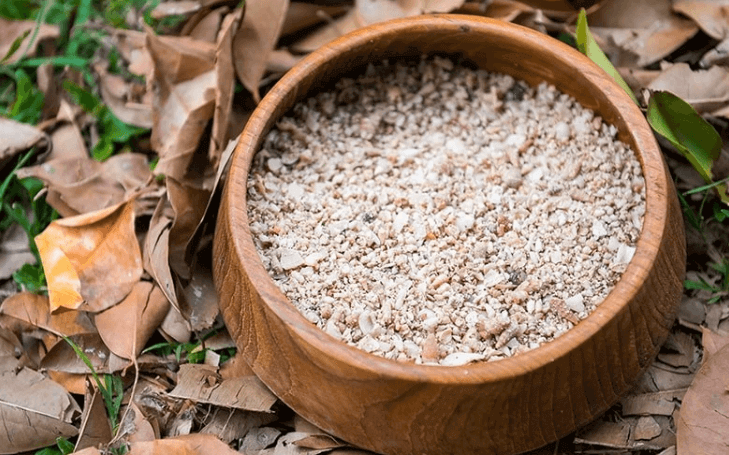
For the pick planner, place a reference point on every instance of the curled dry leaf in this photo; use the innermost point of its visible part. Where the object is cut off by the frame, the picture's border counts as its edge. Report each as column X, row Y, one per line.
column 95, row 429
column 185, row 80
column 126, row 327
column 255, row 39
column 12, row 30
column 503, row 10
column 704, row 419
column 706, row 90
column 175, row 8
column 157, row 250
column 648, row 30
column 62, row 356
column 131, row 45
column 82, row 185
column 192, row 444
column 204, row 25
column 91, row 261
column 17, row 137
column 136, row 427
column 33, row 310
column 301, row 15
column 232, row 424
column 202, row 383
column 126, row 100
column 712, row 342
column 35, row 410
column 366, row 12
column 710, row 15
column 68, row 143
column 225, row 85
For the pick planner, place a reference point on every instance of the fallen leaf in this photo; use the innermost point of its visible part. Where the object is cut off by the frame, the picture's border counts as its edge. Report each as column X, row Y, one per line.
column 12, row 30
column 647, row 428
column 185, row 80
column 34, row 410
column 679, row 350
column 225, row 85
column 503, row 10
column 207, row 27
column 95, row 428
column 259, row 439
column 45, row 75
column 188, row 204
column 255, row 39
column 34, row 310
column 62, row 356
column 301, row 15
column 17, row 137
column 157, row 247
column 647, row 29
column 131, row 45
column 66, row 139
column 367, row 12
column 125, row 99
column 9, row 343
column 136, row 427
column 175, row 8
column 232, row 424
column 704, row 419
column 202, row 383
column 83, row 185
column 126, row 327
column 606, row 434
column 193, row 444
column 73, row 382
column 91, row 261
column 712, row 342
column 653, row 403
column 201, row 298
column 14, row 251
column 320, row 442
column 280, row 61
column 235, row 367
column 176, row 327
column 287, row 445
column 705, row 90
column 710, row 15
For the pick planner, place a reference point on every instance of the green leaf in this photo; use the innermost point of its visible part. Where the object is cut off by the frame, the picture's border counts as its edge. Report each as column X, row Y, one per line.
column 15, row 46
column 698, row 141
column 28, row 100
column 31, row 278
column 698, row 285
column 65, row 445
column 587, row 45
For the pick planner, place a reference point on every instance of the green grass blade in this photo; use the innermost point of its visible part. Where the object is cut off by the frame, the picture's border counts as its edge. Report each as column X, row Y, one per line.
column 15, row 46
column 587, row 45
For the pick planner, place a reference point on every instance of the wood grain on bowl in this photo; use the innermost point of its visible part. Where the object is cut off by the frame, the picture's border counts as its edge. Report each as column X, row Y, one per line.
column 503, row 407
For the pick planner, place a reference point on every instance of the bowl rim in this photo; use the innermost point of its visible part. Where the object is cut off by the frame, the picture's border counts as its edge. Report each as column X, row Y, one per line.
column 653, row 229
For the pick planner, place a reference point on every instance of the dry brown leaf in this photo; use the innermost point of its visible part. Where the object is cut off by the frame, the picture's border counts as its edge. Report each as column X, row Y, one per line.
column 653, row 403
column 366, row 12
column 648, row 29
column 711, row 16
column 34, row 409
column 679, row 350
column 503, row 10
column 91, row 261
column 83, row 185
column 207, row 26
column 95, row 429
column 193, row 444
column 62, row 357
column 136, row 427
column 17, row 137
column 287, row 445
column 255, row 39
column 201, row 299
column 34, row 310
column 11, row 30
column 87, row 451
column 125, row 99
column 232, row 424
column 301, row 15
column 185, row 81
column 705, row 90
column 280, row 61
column 225, row 85
column 712, row 342
column 131, row 45
column 202, row 383
column 176, row 8
column 47, row 84
column 703, row 424
column 14, row 251
column 606, row 434
column 9, row 343
column 74, row 383
column 176, row 327
column 320, row 442
column 235, row 367
column 126, row 327
column 259, row 439
column 157, row 247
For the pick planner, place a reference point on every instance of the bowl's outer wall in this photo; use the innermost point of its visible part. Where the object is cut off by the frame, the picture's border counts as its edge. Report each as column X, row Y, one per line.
column 502, row 407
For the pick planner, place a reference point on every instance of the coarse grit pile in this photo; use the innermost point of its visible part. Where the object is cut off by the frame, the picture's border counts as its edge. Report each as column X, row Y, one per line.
column 431, row 213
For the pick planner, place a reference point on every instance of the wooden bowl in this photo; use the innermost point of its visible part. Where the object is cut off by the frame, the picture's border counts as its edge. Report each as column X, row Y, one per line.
column 502, row 407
